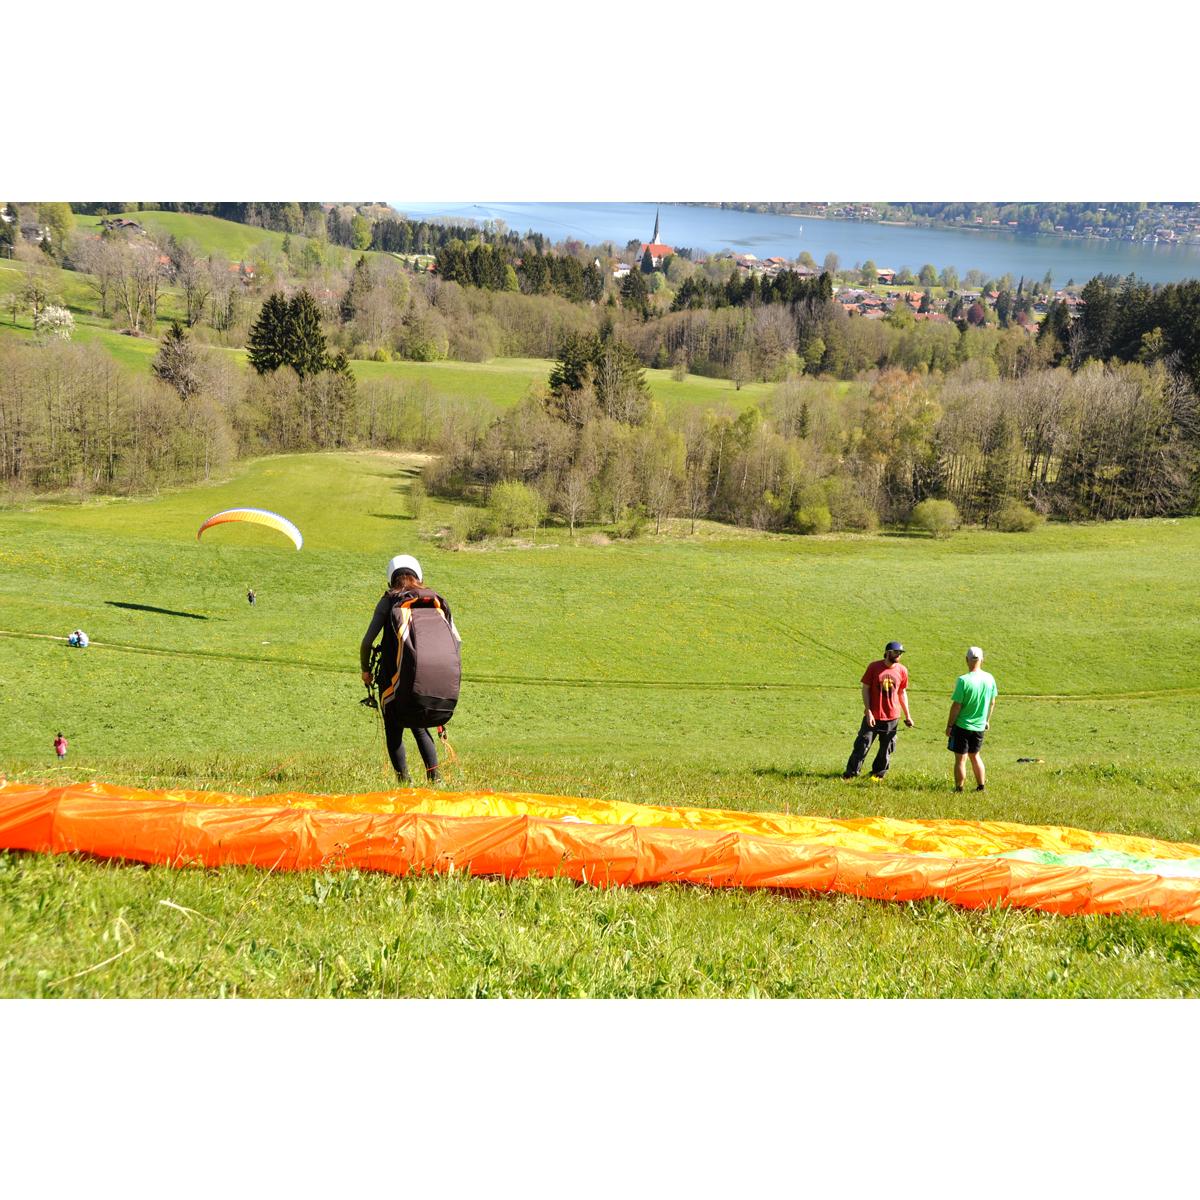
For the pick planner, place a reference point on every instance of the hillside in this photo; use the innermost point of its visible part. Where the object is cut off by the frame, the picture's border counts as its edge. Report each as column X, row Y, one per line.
column 591, row 669
column 501, row 382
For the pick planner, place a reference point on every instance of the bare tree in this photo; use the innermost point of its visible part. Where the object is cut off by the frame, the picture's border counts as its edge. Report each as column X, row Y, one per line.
column 99, row 258
column 194, row 276
column 223, row 285
column 137, row 280
column 574, row 495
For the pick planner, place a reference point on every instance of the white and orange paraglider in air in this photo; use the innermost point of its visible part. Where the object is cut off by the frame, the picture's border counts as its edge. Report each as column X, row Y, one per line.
column 255, row 516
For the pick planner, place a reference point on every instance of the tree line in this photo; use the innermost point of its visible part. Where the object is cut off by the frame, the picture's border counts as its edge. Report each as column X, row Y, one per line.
column 1104, row 442
column 1130, row 321
column 71, row 417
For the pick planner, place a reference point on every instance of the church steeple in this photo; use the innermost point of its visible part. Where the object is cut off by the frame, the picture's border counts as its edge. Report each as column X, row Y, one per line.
column 654, row 239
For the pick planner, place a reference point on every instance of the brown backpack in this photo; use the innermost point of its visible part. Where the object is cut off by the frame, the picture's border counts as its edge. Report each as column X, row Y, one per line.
column 420, row 661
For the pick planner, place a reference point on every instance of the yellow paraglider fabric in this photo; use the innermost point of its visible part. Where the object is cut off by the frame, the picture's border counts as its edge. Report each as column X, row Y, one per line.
column 255, row 516
column 600, row 842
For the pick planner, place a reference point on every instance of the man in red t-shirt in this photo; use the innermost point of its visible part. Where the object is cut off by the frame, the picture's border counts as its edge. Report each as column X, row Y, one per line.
column 885, row 697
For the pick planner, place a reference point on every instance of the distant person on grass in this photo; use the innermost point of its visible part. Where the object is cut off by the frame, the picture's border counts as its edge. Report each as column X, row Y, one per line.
column 419, row 666
column 251, row 598
column 60, row 746
column 885, row 697
column 971, row 709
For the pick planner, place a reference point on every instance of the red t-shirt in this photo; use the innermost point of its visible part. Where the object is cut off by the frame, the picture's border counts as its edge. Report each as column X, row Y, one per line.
column 60, row 745
column 885, row 685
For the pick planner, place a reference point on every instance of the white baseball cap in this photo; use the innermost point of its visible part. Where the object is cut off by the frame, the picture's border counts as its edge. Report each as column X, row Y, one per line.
column 975, row 652
column 403, row 562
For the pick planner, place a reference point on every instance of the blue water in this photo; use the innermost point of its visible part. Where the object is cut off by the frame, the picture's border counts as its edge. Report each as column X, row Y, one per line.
column 993, row 252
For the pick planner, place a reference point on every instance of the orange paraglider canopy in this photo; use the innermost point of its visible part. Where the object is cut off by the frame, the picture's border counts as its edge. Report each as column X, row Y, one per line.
column 969, row 863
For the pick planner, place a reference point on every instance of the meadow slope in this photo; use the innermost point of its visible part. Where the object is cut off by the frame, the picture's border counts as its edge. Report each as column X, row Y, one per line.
column 720, row 669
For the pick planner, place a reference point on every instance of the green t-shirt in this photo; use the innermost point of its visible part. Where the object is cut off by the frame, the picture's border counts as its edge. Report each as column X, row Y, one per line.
column 975, row 691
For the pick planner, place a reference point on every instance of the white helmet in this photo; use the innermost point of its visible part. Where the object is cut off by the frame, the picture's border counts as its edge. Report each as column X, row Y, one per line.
column 403, row 562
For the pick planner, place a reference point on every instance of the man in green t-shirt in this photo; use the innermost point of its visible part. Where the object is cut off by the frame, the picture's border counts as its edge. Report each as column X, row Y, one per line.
column 971, row 709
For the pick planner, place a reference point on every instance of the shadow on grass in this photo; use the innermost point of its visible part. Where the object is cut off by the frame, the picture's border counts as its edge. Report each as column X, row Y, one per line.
column 394, row 516
column 794, row 773
column 166, row 612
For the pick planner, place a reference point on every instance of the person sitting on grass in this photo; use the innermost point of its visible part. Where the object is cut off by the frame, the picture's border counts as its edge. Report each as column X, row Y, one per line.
column 971, row 709
column 78, row 638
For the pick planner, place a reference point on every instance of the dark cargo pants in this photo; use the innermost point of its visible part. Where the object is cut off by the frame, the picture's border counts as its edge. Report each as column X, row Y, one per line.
column 885, row 731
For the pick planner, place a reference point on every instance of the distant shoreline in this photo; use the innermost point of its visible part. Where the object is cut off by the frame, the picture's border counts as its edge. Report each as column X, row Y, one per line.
column 953, row 227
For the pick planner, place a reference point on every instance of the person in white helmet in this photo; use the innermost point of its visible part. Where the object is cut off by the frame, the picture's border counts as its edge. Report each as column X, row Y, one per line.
column 405, row 588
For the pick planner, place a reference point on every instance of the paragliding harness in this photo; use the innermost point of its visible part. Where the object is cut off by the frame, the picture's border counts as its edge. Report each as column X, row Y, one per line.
column 417, row 666
column 420, row 667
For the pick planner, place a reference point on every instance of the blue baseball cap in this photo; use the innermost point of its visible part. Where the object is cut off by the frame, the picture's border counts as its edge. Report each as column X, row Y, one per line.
column 896, row 646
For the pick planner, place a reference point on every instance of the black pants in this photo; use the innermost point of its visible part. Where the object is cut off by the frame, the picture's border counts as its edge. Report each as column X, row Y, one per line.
column 885, row 731
column 394, row 732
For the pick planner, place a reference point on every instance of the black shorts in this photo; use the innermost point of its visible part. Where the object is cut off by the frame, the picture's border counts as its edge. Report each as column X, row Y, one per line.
column 966, row 741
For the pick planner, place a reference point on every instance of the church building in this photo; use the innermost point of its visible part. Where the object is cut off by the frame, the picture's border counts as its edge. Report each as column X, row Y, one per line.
column 657, row 251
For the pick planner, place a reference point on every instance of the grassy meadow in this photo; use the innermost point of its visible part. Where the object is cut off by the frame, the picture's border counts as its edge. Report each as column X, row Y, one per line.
column 716, row 669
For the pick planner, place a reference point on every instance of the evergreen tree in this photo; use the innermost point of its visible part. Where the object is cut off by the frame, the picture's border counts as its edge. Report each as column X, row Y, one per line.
column 288, row 334
column 593, row 282
column 360, row 287
column 305, row 340
column 574, row 366
column 634, row 294
column 176, row 362
column 647, row 262
column 1055, row 331
column 535, row 274
column 1004, row 308
column 267, row 345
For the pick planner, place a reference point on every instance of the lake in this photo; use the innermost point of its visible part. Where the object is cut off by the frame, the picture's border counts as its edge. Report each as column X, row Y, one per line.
column 993, row 252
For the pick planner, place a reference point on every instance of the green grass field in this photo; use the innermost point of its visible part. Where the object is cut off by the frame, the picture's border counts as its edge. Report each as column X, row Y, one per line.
column 225, row 239
column 719, row 669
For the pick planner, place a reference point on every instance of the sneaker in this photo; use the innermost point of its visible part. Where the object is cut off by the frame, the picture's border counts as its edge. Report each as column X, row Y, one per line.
column 876, row 778
column 849, row 776
column 981, row 788
column 958, row 789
